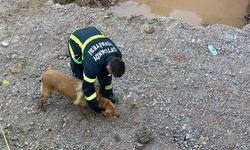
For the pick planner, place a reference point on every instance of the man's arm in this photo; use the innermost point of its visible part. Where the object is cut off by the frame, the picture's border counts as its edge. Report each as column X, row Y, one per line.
column 90, row 93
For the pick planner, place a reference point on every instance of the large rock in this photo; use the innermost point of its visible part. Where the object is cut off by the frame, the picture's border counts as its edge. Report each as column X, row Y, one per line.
column 17, row 67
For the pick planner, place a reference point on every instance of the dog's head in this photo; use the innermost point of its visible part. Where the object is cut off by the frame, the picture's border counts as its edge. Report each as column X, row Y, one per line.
column 110, row 110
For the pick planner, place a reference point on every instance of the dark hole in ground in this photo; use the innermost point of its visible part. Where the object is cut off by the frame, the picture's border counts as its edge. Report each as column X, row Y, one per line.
column 88, row 3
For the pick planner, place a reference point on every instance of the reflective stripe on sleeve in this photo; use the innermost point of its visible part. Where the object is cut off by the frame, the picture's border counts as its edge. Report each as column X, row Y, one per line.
column 76, row 40
column 100, row 31
column 108, row 87
column 91, row 97
column 73, row 56
column 89, row 80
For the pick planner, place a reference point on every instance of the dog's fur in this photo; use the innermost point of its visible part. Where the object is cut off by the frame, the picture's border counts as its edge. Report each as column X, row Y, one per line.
column 71, row 87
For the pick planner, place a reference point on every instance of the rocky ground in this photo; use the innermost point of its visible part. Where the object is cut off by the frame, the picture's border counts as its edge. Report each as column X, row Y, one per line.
column 174, row 95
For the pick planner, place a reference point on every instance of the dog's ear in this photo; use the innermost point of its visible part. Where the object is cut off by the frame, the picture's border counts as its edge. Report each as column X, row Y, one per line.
column 105, row 114
column 49, row 67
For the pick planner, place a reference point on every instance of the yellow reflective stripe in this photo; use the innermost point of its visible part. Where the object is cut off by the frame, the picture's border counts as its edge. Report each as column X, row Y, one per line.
column 83, row 45
column 109, row 74
column 89, row 40
column 91, row 97
column 89, row 80
column 108, row 87
column 100, row 31
column 73, row 55
column 76, row 40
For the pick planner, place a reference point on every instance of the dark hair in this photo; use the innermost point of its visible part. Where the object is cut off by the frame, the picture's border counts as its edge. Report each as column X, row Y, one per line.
column 117, row 67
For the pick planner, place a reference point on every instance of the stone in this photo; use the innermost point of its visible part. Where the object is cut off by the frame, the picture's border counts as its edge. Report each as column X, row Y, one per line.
column 144, row 136
column 14, row 138
column 48, row 129
column 32, row 123
column 17, row 68
column 56, row 6
column 181, row 58
column 5, row 43
column 132, row 106
column 4, row 83
column 188, row 136
column 150, row 30
column 174, row 86
column 139, row 146
column 229, row 39
column 117, row 137
column 184, row 127
column 202, row 140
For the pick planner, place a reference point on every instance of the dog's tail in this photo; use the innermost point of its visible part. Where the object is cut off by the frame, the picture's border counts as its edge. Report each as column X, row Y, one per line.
column 48, row 68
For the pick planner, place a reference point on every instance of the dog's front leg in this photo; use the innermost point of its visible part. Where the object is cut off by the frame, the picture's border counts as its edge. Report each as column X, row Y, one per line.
column 42, row 101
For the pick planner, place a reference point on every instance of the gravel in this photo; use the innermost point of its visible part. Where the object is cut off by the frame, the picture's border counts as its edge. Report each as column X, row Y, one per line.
column 173, row 86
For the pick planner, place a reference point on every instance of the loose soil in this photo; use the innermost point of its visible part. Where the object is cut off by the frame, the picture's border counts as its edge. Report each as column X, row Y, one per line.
column 174, row 95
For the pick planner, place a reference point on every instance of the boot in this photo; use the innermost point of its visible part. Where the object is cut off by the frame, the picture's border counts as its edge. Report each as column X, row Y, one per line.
column 114, row 99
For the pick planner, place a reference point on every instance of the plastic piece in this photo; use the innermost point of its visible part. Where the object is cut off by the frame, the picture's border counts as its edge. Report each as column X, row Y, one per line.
column 212, row 50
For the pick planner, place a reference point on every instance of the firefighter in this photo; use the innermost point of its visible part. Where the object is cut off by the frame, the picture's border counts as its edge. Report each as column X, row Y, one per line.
column 94, row 56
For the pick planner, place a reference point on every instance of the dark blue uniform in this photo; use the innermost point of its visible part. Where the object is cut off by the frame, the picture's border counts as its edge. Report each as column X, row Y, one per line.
column 90, row 52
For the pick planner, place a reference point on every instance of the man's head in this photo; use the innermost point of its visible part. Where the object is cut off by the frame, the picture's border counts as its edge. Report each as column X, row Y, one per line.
column 116, row 67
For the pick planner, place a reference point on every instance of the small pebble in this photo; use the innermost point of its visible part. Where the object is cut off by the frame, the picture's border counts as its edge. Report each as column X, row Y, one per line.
column 5, row 83
column 150, row 30
column 117, row 137
column 32, row 123
column 139, row 146
column 5, row 43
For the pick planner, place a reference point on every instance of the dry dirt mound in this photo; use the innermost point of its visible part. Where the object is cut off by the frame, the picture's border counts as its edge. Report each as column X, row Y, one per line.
column 174, row 95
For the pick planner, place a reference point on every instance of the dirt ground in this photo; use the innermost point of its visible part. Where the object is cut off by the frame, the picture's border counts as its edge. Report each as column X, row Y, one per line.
column 174, row 88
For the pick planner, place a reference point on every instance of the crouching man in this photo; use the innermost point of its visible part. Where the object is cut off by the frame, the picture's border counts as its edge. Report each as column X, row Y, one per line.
column 95, row 56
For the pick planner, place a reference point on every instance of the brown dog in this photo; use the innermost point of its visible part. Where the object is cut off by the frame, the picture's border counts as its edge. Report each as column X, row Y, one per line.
column 71, row 87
